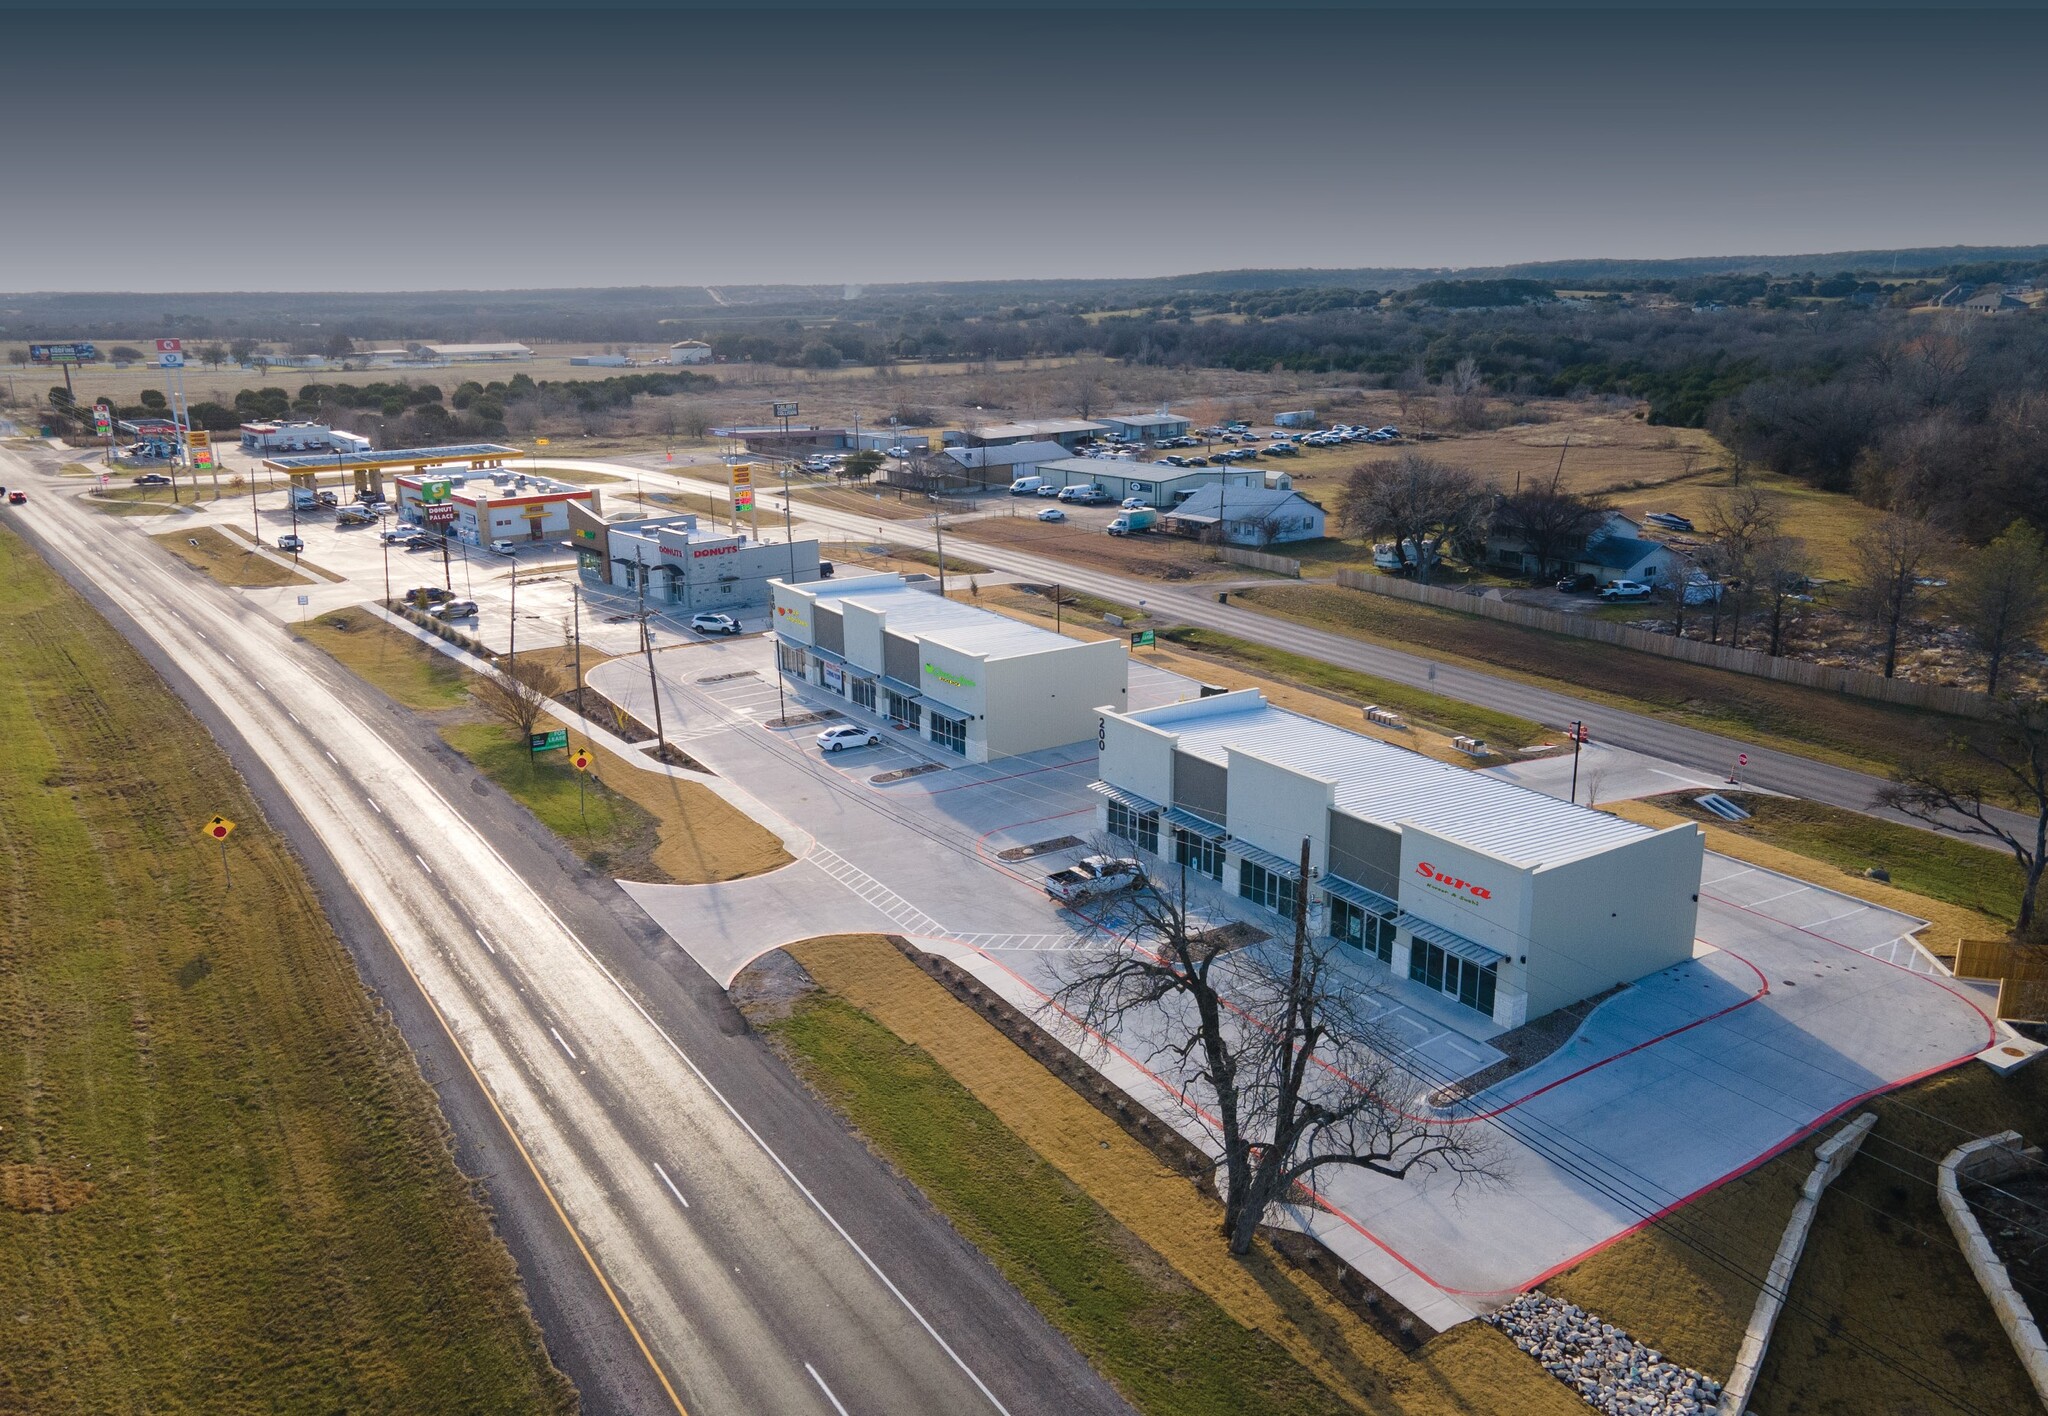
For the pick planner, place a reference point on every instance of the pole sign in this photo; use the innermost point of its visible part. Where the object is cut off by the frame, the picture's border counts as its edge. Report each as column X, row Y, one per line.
column 548, row 742
column 76, row 353
column 434, row 491
column 785, row 410
column 170, row 353
column 743, row 474
column 742, row 498
column 199, row 447
column 102, row 418
column 440, row 513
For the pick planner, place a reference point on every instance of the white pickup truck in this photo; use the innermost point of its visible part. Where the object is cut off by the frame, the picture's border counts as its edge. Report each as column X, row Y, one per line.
column 1091, row 876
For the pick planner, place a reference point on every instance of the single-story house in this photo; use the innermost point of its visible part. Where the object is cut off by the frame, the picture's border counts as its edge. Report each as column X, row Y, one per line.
column 1146, row 427
column 1248, row 516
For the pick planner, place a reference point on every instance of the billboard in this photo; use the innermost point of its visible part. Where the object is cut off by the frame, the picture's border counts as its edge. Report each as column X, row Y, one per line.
column 80, row 353
column 199, row 448
column 785, row 410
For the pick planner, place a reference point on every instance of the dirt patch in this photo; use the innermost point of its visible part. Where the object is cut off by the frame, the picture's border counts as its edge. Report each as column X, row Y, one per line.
column 41, row 1189
column 904, row 774
column 1059, row 843
column 767, row 990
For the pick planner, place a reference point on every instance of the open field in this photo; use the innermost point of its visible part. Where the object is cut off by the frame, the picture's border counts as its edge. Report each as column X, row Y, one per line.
column 226, row 560
column 1160, row 557
column 1883, row 1314
column 235, row 1192
column 1853, row 732
column 1120, row 1253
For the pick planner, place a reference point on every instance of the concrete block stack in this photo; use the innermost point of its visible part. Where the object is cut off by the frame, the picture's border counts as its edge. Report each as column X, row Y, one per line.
column 1610, row 1370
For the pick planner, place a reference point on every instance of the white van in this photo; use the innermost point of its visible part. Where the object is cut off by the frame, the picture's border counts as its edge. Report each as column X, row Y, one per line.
column 1025, row 486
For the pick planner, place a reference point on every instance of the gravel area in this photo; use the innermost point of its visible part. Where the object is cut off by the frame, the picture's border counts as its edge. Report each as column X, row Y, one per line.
column 1604, row 1365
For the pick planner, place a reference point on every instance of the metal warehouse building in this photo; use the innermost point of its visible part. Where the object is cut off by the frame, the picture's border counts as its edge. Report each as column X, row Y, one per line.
column 1510, row 902
column 1161, row 483
column 970, row 682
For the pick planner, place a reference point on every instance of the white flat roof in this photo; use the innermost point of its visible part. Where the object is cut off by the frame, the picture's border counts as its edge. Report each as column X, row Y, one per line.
column 1388, row 785
column 909, row 610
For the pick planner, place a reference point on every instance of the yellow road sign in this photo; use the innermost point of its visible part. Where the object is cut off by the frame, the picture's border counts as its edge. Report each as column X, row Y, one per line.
column 580, row 759
column 218, row 829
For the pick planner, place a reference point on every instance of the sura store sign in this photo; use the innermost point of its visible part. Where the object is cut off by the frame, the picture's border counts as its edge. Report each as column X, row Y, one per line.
column 1451, row 884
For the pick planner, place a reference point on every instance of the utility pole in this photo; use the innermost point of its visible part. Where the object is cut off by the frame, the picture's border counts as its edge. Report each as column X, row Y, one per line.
column 939, row 526
column 788, row 527
column 647, row 648
column 1578, row 731
column 512, row 644
column 576, row 636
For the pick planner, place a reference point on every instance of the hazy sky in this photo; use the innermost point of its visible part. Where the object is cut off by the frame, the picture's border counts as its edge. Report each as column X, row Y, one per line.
column 505, row 146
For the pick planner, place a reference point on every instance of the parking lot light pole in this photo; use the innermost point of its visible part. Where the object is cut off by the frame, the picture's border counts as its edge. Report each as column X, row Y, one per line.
column 385, row 537
column 647, row 648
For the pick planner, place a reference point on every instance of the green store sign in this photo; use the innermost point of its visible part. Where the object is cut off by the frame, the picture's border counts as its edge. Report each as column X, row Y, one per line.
column 957, row 680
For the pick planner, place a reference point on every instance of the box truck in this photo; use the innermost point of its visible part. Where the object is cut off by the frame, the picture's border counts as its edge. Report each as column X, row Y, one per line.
column 1132, row 521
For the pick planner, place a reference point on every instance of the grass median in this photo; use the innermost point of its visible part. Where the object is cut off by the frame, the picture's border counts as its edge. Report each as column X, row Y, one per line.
column 387, row 658
column 223, row 1183
column 227, row 560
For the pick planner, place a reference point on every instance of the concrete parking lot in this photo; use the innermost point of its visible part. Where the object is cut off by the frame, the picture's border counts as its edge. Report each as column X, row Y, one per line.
column 1799, row 1000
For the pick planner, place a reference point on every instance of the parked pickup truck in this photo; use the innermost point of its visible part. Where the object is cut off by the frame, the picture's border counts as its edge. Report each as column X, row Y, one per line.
column 1091, row 876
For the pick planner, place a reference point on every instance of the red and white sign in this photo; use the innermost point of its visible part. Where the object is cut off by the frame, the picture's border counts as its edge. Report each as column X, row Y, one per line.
column 1478, row 892
column 440, row 513
column 170, row 346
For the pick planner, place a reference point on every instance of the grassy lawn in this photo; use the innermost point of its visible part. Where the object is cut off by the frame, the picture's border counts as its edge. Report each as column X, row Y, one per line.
column 388, row 659
column 1501, row 730
column 226, row 1186
column 1853, row 732
column 607, row 830
column 227, row 560
column 1115, row 1249
column 1881, row 1269
column 1939, row 867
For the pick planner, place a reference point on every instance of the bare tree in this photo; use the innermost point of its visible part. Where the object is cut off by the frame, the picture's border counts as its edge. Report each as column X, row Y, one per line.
column 1780, row 569
column 516, row 694
column 1972, row 786
column 1416, row 501
column 1739, row 523
column 1275, row 1043
column 1891, row 560
column 1551, row 522
column 2000, row 595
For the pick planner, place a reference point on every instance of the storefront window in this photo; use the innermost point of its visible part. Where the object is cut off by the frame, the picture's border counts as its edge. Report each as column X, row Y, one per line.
column 1264, row 887
column 905, row 710
column 1139, row 828
column 863, row 693
column 1471, row 984
column 949, row 733
column 1362, row 929
column 1201, row 854
column 790, row 659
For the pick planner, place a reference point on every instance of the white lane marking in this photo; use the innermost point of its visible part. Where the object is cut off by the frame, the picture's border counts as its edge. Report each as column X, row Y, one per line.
column 671, row 1185
column 423, row 862
column 331, row 757
column 485, row 942
column 293, row 716
column 565, row 1046
column 836, row 1406
column 373, row 805
column 1782, row 894
column 259, row 685
column 230, row 658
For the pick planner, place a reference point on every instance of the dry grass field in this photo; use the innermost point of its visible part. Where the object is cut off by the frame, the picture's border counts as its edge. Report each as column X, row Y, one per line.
column 228, row 1188
column 229, row 561
column 1159, row 557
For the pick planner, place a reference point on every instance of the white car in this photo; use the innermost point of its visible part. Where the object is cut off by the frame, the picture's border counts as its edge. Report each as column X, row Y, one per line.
column 1134, row 504
column 1052, row 513
column 503, row 548
column 847, row 735
column 1625, row 590
column 711, row 623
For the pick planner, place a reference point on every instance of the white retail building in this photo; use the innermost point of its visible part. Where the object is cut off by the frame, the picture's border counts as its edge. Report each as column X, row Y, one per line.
column 968, row 681
column 1511, row 902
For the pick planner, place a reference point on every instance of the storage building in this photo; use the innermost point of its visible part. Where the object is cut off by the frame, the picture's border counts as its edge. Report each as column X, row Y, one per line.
column 1512, row 903
column 1161, row 484
column 1147, row 427
column 689, row 351
column 888, row 651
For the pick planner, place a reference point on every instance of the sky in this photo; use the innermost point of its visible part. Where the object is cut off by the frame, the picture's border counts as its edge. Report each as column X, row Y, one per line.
column 464, row 146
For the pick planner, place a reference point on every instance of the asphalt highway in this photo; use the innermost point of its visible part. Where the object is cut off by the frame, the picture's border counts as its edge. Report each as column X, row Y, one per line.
column 697, row 1233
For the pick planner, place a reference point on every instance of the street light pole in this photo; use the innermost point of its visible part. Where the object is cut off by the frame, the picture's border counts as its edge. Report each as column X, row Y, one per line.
column 1578, row 736
column 647, row 647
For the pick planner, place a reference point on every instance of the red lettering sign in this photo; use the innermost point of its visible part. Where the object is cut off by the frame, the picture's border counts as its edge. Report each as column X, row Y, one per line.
column 1478, row 892
column 714, row 551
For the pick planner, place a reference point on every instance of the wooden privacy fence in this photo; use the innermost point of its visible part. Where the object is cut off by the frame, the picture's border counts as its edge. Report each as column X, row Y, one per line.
column 2021, row 975
column 1259, row 560
column 1854, row 682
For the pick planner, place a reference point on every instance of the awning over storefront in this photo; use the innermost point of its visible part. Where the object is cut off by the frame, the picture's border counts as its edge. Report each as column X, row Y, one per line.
column 1449, row 941
column 1371, row 901
column 1197, row 825
column 1278, row 864
column 1123, row 798
column 900, row 688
